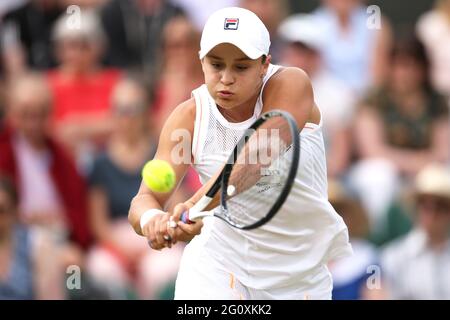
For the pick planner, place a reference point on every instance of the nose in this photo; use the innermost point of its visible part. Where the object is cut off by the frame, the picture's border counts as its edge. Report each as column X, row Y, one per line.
column 227, row 77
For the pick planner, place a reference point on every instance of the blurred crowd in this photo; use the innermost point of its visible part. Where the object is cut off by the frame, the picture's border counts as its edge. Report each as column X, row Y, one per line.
column 86, row 85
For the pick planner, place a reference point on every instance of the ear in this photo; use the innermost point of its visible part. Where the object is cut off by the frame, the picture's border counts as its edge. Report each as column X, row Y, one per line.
column 202, row 61
column 266, row 64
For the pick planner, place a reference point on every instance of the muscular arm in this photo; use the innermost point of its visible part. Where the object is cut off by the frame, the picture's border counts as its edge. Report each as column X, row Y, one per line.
column 180, row 121
column 290, row 90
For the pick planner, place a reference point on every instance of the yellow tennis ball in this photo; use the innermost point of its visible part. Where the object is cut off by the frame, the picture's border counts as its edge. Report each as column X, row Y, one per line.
column 159, row 176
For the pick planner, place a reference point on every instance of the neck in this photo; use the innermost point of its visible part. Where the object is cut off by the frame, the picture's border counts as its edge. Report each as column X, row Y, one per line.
column 76, row 71
column 36, row 143
column 437, row 241
column 344, row 20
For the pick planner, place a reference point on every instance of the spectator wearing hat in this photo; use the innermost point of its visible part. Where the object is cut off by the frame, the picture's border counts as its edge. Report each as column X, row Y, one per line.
column 417, row 265
column 304, row 41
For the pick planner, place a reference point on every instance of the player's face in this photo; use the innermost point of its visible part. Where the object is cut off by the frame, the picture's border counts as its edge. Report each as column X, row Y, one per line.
column 233, row 79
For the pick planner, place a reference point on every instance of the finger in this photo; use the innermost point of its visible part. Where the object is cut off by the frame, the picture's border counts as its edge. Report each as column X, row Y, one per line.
column 160, row 232
column 178, row 211
column 150, row 232
column 191, row 229
column 171, row 234
column 153, row 245
column 172, row 223
column 164, row 226
column 171, row 230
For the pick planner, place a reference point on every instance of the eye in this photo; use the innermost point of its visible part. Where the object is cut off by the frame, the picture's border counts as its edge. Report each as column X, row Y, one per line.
column 216, row 65
column 241, row 67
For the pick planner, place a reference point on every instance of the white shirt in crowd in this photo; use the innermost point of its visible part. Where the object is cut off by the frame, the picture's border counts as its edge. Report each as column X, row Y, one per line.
column 413, row 270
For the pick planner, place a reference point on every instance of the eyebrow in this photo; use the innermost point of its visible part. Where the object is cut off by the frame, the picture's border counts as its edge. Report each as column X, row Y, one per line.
column 219, row 58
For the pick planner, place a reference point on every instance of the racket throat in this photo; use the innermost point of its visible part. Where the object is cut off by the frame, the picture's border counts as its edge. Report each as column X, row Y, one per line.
column 197, row 211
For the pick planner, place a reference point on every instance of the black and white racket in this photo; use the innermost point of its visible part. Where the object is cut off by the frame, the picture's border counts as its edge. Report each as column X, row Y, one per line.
column 258, row 176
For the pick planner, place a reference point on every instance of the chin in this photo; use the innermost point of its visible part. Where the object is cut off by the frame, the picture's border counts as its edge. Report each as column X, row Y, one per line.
column 226, row 104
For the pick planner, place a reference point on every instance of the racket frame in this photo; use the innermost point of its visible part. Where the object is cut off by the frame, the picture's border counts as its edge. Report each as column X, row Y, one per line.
column 196, row 212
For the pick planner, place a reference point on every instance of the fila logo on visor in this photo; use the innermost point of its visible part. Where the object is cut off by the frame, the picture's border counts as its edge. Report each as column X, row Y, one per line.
column 231, row 24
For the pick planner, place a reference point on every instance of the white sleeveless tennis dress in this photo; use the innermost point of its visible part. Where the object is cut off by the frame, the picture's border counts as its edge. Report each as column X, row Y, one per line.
column 283, row 259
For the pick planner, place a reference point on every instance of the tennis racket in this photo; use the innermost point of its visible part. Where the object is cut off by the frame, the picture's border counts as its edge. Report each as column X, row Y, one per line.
column 258, row 176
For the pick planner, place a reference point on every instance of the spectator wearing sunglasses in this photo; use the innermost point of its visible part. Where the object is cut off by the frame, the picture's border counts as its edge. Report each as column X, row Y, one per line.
column 417, row 265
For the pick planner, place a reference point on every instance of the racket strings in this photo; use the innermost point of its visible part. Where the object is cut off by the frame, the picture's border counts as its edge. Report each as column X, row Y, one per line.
column 260, row 171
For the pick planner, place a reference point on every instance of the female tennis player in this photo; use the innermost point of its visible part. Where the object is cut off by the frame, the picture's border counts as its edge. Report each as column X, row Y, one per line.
column 287, row 257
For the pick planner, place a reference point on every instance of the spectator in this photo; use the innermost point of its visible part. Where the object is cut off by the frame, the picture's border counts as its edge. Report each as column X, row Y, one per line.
column 351, row 274
column 133, row 29
column 51, row 193
column 181, row 69
column 433, row 29
column 2, row 101
column 122, row 261
column 84, row 4
column 199, row 10
column 28, row 266
column 416, row 266
column 181, row 73
column 400, row 128
column 8, row 5
column 304, row 41
column 26, row 35
column 353, row 52
column 271, row 12
column 81, row 87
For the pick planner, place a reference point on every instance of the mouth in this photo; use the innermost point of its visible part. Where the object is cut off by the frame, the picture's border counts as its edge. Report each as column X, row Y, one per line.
column 224, row 94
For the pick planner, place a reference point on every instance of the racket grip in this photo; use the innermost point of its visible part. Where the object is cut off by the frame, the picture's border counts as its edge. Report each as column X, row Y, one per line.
column 185, row 218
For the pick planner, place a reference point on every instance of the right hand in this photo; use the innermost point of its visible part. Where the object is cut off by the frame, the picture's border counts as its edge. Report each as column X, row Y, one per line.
column 155, row 230
column 183, row 231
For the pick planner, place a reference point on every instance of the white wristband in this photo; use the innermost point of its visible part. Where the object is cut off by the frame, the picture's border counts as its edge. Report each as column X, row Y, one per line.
column 147, row 215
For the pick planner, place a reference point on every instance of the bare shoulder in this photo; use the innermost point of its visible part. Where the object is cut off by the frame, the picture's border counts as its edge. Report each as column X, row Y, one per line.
column 287, row 79
column 290, row 89
column 288, row 82
column 178, row 126
column 183, row 116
